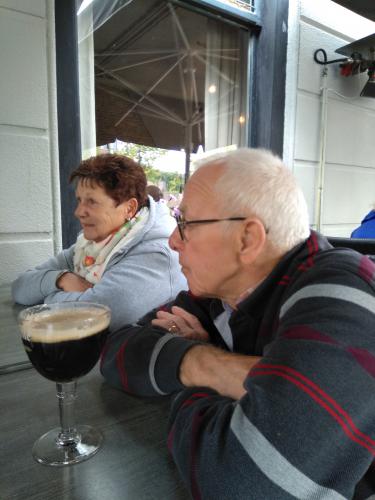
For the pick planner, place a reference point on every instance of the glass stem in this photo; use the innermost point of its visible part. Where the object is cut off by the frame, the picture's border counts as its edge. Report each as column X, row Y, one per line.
column 66, row 395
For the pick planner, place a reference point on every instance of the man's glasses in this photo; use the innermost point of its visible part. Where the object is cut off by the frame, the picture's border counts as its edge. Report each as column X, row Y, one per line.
column 182, row 223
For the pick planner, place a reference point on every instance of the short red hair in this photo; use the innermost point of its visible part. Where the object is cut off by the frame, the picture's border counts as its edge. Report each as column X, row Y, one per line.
column 121, row 177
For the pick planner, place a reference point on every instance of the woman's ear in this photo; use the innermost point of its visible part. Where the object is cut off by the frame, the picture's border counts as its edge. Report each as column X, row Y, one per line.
column 253, row 239
column 131, row 208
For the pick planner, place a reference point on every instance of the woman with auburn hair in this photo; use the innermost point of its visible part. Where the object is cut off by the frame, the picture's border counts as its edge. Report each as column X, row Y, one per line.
column 121, row 258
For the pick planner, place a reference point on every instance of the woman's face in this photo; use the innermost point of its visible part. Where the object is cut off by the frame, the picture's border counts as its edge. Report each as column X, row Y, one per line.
column 97, row 212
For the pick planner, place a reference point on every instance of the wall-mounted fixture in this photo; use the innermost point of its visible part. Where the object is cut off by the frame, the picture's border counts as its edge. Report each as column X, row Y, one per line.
column 360, row 58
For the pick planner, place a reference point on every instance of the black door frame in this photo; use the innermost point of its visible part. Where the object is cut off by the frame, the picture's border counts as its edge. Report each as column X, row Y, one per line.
column 68, row 116
column 267, row 91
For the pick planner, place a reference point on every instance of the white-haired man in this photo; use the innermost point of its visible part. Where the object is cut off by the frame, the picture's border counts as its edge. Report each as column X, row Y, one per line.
column 271, row 352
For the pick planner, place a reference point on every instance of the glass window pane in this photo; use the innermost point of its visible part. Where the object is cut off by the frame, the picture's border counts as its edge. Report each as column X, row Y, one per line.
column 161, row 76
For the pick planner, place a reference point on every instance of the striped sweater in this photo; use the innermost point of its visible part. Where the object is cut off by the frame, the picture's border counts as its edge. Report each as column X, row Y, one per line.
column 306, row 425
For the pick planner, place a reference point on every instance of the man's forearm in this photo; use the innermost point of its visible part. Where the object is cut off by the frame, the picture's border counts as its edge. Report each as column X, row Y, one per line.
column 212, row 367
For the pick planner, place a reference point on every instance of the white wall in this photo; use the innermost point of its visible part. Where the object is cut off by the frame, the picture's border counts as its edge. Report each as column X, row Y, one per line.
column 29, row 199
column 348, row 159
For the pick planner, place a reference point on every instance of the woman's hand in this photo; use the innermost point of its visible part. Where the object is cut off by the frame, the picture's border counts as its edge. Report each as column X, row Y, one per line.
column 71, row 282
column 181, row 323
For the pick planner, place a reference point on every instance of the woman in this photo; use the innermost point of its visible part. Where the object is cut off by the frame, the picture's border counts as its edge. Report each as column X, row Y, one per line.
column 121, row 258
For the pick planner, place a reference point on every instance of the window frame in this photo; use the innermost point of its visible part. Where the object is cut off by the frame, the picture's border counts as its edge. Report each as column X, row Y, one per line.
column 267, row 75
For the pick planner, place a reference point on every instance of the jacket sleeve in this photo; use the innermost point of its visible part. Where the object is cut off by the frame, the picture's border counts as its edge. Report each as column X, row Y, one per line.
column 34, row 285
column 145, row 360
column 134, row 285
column 305, row 426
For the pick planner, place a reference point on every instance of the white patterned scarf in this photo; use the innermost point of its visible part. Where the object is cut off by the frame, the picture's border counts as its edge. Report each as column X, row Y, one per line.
column 91, row 258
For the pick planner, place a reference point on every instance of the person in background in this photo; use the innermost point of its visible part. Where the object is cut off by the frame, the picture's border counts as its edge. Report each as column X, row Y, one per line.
column 121, row 258
column 173, row 203
column 157, row 195
column 270, row 355
column 155, row 192
column 367, row 227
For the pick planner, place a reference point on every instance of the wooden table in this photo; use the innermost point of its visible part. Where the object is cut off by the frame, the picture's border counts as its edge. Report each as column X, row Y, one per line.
column 133, row 463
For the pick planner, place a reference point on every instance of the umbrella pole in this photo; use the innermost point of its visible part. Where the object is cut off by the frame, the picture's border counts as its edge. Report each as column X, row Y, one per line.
column 188, row 137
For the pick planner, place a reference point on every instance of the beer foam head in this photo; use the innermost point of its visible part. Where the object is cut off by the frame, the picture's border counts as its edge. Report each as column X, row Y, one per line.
column 64, row 325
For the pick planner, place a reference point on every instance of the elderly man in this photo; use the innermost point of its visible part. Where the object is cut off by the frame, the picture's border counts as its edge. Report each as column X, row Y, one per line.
column 271, row 353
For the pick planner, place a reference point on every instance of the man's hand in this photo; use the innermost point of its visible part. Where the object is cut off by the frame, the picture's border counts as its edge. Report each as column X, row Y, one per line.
column 187, row 325
column 71, row 282
column 220, row 370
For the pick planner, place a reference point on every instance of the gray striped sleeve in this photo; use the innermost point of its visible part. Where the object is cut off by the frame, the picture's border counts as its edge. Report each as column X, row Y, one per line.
column 340, row 292
column 154, row 356
column 274, row 465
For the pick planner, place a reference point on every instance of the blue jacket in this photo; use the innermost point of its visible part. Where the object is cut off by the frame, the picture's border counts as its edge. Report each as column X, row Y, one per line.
column 142, row 275
column 367, row 227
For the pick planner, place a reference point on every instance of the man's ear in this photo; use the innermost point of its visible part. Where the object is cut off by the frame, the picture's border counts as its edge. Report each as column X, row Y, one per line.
column 253, row 239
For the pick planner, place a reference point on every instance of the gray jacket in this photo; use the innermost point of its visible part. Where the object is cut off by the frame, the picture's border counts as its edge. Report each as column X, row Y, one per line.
column 140, row 277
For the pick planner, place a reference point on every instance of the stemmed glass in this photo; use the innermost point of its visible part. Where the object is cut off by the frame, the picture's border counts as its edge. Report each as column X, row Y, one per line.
column 63, row 341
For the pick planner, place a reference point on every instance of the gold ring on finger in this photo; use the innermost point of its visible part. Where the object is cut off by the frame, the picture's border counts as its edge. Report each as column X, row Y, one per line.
column 173, row 328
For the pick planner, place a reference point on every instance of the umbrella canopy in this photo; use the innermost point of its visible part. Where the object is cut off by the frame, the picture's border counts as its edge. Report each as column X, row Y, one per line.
column 150, row 76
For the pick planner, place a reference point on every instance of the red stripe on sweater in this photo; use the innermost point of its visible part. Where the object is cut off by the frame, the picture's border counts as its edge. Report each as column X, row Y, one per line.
column 193, row 398
column 285, row 280
column 314, row 242
column 313, row 247
column 121, row 366
column 170, row 439
column 103, row 354
column 302, row 332
column 364, row 358
column 366, row 269
column 197, row 419
column 320, row 391
column 320, row 401
column 280, row 369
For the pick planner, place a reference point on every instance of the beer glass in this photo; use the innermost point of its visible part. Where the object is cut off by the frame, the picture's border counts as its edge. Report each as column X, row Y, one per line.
column 63, row 341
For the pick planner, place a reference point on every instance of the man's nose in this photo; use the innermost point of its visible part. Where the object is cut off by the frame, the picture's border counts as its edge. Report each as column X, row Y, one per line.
column 175, row 240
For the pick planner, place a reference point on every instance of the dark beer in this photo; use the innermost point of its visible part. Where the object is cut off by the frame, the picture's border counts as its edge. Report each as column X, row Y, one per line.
column 65, row 345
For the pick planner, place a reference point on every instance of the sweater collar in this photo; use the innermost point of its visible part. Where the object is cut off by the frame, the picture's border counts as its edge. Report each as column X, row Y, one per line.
column 299, row 257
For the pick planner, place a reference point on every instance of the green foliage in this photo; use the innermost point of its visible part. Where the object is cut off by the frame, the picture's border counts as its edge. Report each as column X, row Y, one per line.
column 146, row 156
column 173, row 181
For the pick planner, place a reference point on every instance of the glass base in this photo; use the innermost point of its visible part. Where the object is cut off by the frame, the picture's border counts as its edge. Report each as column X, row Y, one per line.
column 48, row 451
